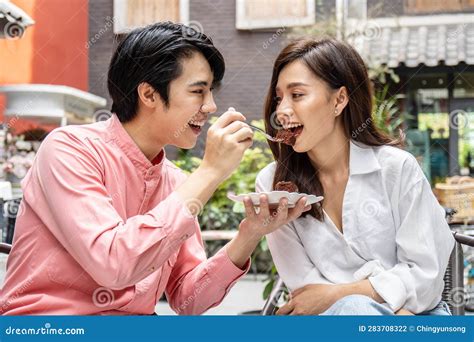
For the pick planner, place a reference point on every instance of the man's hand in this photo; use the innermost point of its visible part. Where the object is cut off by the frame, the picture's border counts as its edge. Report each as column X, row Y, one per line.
column 227, row 140
column 311, row 300
column 268, row 220
column 256, row 225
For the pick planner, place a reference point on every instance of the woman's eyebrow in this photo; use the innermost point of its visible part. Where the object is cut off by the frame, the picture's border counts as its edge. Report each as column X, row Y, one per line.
column 296, row 84
column 293, row 85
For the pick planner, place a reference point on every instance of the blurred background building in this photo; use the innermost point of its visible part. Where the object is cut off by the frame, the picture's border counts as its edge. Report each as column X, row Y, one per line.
column 429, row 45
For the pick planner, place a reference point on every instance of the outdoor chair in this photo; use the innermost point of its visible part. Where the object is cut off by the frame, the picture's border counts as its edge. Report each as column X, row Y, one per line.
column 5, row 248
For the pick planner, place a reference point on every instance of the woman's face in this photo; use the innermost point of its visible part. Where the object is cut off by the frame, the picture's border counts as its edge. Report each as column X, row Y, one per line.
column 303, row 99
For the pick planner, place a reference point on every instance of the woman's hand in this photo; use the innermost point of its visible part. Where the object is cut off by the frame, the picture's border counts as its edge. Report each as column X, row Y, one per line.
column 403, row 312
column 256, row 225
column 311, row 300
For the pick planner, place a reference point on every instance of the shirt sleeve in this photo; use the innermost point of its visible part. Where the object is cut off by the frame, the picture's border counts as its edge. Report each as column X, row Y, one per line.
column 66, row 190
column 196, row 283
column 424, row 243
column 289, row 255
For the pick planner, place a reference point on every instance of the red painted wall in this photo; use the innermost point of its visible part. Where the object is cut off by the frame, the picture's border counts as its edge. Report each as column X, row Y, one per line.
column 53, row 51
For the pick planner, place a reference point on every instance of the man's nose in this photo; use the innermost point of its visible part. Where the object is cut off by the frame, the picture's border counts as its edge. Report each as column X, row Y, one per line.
column 209, row 105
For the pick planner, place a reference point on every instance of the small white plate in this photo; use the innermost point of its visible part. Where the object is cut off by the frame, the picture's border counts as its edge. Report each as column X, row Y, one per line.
column 275, row 196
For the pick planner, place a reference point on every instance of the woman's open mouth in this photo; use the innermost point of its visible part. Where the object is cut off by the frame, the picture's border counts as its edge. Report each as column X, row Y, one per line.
column 289, row 134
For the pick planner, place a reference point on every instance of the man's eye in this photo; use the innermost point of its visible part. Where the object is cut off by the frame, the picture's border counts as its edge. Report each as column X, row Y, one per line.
column 198, row 91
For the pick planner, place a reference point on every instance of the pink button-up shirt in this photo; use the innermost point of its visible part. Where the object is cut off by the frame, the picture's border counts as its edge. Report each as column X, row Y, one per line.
column 100, row 231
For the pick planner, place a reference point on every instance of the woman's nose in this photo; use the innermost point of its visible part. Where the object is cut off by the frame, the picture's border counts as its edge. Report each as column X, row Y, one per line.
column 284, row 114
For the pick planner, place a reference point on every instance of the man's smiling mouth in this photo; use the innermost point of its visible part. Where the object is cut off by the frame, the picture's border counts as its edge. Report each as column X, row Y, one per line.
column 196, row 125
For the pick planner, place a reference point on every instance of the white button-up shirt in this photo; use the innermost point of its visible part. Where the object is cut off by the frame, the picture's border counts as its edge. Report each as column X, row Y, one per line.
column 394, row 233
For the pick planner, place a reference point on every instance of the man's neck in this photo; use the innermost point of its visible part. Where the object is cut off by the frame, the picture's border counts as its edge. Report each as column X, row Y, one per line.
column 146, row 142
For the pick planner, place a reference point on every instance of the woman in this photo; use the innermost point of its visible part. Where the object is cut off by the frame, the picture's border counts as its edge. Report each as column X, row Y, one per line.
column 379, row 243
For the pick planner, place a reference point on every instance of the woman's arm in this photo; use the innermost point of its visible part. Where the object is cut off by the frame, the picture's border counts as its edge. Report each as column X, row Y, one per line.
column 314, row 299
column 362, row 287
column 424, row 243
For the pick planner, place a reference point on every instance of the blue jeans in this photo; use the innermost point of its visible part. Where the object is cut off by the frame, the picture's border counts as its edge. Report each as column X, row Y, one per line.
column 363, row 305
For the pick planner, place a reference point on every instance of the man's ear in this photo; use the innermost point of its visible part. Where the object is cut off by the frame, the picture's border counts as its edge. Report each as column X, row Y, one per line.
column 148, row 96
column 342, row 98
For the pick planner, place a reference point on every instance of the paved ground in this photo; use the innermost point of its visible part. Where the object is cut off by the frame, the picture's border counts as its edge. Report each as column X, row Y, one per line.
column 3, row 266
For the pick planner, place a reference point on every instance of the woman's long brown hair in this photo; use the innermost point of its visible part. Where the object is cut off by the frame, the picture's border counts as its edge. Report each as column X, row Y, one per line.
column 337, row 64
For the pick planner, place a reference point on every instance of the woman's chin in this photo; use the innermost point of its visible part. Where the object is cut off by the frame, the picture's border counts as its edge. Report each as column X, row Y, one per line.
column 298, row 149
column 298, row 146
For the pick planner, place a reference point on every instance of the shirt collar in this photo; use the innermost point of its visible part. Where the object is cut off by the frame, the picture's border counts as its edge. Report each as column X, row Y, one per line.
column 362, row 159
column 123, row 140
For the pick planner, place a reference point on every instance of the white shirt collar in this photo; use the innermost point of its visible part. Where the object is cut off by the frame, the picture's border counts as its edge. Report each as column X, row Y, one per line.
column 362, row 159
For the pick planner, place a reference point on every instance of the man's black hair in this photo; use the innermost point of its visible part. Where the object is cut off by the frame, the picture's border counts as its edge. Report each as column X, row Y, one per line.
column 153, row 54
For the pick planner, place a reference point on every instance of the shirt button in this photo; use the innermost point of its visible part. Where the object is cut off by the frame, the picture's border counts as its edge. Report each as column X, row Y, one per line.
column 152, row 268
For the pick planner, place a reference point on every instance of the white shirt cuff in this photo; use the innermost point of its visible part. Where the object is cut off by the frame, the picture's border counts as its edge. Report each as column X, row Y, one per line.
column 390, row 288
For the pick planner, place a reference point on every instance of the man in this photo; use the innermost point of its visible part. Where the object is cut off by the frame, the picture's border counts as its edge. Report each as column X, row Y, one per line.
column 107, row 224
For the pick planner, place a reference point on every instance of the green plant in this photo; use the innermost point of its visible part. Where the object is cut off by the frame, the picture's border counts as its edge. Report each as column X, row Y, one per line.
column 386, row 113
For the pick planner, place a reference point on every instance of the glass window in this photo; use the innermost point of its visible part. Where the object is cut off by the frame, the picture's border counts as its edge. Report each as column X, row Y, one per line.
column 464, row 85
column 427, row 103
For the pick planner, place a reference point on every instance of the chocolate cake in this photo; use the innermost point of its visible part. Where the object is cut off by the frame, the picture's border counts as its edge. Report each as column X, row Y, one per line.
column 286, row 136
column 286, row 186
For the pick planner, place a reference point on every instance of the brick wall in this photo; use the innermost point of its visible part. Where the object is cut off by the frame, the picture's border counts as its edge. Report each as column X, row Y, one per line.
column 101, row 46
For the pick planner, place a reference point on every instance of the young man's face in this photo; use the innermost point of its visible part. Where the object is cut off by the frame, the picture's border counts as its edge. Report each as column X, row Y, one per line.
column 190, row 102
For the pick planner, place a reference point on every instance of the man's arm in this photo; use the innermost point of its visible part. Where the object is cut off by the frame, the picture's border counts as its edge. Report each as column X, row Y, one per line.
column 68, row 194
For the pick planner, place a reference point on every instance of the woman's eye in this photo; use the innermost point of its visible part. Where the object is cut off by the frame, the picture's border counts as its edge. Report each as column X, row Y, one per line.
column 297, row 95
column 277, row 99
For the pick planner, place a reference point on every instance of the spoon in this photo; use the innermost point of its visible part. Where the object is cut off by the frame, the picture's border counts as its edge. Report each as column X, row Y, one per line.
column 269, row 137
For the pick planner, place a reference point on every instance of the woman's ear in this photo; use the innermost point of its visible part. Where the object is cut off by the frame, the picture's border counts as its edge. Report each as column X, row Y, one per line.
column 342, row 98
column 147, row 95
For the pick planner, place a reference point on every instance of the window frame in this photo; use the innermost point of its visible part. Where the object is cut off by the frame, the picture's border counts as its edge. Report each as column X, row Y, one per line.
column 243, row 23
column 121, row 15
